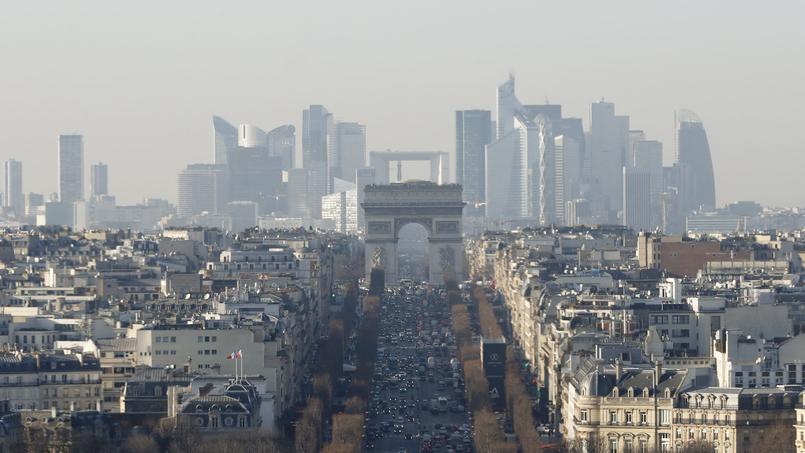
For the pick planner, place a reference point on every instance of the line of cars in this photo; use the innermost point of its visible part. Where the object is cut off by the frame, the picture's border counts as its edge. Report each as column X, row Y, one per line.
column 417, row 396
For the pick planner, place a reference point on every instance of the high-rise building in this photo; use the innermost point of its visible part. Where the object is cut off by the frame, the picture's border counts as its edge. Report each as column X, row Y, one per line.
column 254, row 174
column 32, row 202
column 647, row 159
column 13, row 198
column 99, row 179
column 202, row 188
column 363, row 177
column 243, row 214
column 347, row 150
column 521, row 165
column 473, row 133
column 694, row 152
column 282, row 144
column 636, row 199
column 71, row 168
column 609, row 143
column 342, row 208
column 225, row 139
column 505, row 107
column 298, row 193
column 317, row 125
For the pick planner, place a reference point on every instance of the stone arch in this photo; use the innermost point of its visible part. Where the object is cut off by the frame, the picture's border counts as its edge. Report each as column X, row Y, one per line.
column 437, row 208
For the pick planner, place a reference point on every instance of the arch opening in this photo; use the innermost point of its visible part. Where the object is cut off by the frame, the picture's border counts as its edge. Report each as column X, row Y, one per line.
column 412, row 247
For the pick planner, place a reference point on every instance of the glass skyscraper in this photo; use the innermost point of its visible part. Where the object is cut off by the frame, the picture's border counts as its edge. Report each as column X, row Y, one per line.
column 473, row 133
column 698, row 190
column 71, row 168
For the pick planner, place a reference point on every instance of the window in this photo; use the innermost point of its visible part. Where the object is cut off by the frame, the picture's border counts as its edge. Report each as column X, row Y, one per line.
column 665, row 442
column 613, row 417
column 679, row 319
column 643, row 417
column 659, row 319
column 627, row 445
column 704, row 419
column 583, row 415
column 628, row 417
column 214, row 339
column 200, row 339
column 613, row 445
column 665, row 417
column 173, row 339
column 158, row 340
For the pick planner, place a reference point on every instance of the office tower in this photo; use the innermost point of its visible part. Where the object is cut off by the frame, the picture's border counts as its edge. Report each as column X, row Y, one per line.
column 202, row 188
column 505, row 107
column 225, row 139
column 32, row 202
column 636, row 199
column 647, row 158
column 569, row 156
column 347, row 150
column 316, row 127
column 99, row 179
column 506, row 178
column 243, row 214
column 341, row 207
column 543, row 166
column 521, row 165
column 13, row 198
column 609, row 142
column 298, row 193
column 363, row 177
column 282, row 144
column 473, row 133
column 698, row 190
column 71, row 168
column 254, row 174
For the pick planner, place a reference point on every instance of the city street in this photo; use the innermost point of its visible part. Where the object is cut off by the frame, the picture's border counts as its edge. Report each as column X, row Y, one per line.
column 417, row 396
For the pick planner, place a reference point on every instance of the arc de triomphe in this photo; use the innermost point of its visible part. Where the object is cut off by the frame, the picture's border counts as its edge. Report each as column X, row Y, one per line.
column 438, row 208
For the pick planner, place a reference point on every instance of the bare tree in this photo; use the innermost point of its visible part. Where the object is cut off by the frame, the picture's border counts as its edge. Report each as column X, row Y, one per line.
column 140, row 443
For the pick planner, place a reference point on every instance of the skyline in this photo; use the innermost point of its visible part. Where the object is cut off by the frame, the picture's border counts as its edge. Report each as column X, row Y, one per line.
column 747, row 93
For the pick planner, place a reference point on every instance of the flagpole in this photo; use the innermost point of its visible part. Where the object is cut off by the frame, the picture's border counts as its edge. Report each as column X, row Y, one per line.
column 240, row 352
column 236, row 369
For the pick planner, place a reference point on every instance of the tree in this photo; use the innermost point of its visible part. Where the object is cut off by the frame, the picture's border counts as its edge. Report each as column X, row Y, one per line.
column 309, row 428
column 139, row 443
column 487, row 433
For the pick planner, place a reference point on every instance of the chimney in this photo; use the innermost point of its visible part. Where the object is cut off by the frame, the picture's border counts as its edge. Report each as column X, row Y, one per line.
column 657, row 372
column 98, row 405
column 618, row 370
column 53, row 411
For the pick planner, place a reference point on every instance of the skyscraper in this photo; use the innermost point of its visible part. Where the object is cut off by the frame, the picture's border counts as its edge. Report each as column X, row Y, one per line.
column 694, row 153
column 254, row 174
column 13, row 198
column 363, row 177
column 647, row 159
column 298, row 193
column 282, row 144
column 521, row 165
column 99, row 179
column 347, row 150
column 202, row 187
column 473, row 133
column 316, row 127
column 636, row 199
column 225, row 139
column 609, row 143
column 71, row 168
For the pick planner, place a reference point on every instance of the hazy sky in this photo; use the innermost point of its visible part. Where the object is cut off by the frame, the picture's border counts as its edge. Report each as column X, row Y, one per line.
column 141, row 80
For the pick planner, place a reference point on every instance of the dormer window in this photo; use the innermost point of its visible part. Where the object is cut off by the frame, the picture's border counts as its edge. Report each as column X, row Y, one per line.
column 630, row 392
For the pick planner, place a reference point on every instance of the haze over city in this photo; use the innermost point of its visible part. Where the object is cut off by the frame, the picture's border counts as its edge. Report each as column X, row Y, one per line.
column 141, row 81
